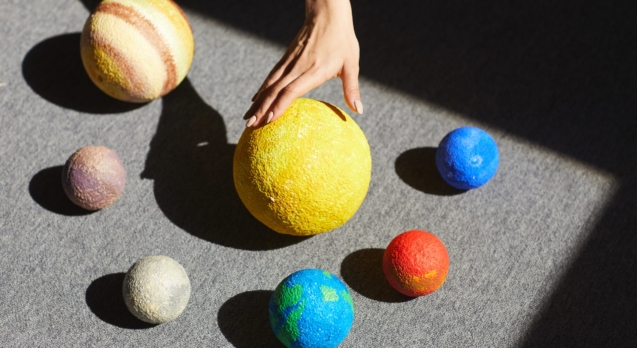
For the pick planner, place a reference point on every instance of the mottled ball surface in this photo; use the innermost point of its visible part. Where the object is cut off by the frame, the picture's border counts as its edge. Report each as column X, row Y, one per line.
column 467, row 158
column 94, row 177
column 135, row 50
column 416, row 263
column 305, row 173
column 156, row 289
column 311, row 308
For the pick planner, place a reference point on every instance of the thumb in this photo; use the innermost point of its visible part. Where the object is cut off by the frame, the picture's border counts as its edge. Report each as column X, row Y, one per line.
column 352, row 94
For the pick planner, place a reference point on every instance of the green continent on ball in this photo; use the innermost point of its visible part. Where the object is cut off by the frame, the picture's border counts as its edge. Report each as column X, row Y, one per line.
column 311, row 308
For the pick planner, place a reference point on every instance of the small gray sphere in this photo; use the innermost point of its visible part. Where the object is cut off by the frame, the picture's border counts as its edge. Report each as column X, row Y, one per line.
column 156, row 289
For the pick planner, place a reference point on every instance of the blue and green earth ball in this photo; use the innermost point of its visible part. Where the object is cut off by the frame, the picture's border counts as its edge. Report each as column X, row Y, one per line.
column 467, row 158
column 311, row 308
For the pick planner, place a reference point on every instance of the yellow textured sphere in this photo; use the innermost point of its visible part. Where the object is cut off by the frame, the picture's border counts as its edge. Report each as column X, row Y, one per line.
column 305, row 173
column 137, row 50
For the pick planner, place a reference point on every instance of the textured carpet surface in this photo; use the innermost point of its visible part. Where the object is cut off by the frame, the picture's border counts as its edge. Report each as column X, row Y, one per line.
column 541, row 256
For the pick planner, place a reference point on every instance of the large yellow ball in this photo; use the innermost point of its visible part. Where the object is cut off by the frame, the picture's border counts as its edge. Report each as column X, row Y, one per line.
column 307, row 172
column 137, row 50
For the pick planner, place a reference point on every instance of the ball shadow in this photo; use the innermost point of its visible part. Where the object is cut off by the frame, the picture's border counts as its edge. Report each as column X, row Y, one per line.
column 46, row 190
column 243, row 320
column 417, row 168
column 190, row 162
column 53, row 69
column 90, row 4
column 104, row 298
column 362, row 270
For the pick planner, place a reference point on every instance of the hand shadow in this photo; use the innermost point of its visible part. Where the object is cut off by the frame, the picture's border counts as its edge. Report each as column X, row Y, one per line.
column 46, row 190
column 53, row 69
column 190, row 162
column 244, row 321
column 417, row 168
column 104, row 298
column 362, row 270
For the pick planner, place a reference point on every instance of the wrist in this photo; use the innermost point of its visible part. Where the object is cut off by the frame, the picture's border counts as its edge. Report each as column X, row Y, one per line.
column 327, row 9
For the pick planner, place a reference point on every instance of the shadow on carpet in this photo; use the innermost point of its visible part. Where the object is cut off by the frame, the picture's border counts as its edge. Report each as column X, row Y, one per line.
column 104, row 298
column 417, row 168
column 190, row 162
column 362, row 270
column 54, row 70
column 243, row 320
column 46, row 190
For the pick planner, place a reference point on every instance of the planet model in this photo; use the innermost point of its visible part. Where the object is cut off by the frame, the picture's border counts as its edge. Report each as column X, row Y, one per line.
column 156, row 289
column 93, row 177
column 467, row 158
column 306, row 173
column 137, row 51
column 311, row 308
column 416, row 263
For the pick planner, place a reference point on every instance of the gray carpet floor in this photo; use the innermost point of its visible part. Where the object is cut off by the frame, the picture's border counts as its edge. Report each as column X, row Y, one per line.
column 542, row 256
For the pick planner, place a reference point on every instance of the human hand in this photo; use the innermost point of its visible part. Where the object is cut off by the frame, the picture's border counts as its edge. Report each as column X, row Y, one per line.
column 325, row 47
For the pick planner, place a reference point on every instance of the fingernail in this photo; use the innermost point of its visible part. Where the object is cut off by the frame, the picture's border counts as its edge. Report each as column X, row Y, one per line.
column 251, row 121
column 359, row 106
column 270, row 115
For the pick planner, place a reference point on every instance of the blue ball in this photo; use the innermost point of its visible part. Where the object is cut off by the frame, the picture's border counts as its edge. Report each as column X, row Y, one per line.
column 467, row 158
column 311, row 308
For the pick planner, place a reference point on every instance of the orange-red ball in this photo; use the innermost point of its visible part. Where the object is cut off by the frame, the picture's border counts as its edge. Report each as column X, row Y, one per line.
column 416, row 263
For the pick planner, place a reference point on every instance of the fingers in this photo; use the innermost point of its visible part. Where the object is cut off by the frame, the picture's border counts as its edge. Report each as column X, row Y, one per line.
column 351, row 92
column 275, row 100
column 281, row 68
column 291, row 92
column 274, row 75
column 261, row 105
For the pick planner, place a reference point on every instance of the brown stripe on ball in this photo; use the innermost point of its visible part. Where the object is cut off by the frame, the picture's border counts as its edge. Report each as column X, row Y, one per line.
column 93, row 42
column 148, row 30
column 137, row 51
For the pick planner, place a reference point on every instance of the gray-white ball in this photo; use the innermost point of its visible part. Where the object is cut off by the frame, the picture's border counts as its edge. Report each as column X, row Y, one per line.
column 156, row 289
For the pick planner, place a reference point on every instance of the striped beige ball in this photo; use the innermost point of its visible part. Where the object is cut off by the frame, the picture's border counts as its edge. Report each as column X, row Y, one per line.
column 137, row 50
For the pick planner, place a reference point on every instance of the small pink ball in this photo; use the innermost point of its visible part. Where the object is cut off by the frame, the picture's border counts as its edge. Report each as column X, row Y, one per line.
column 93, row 177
